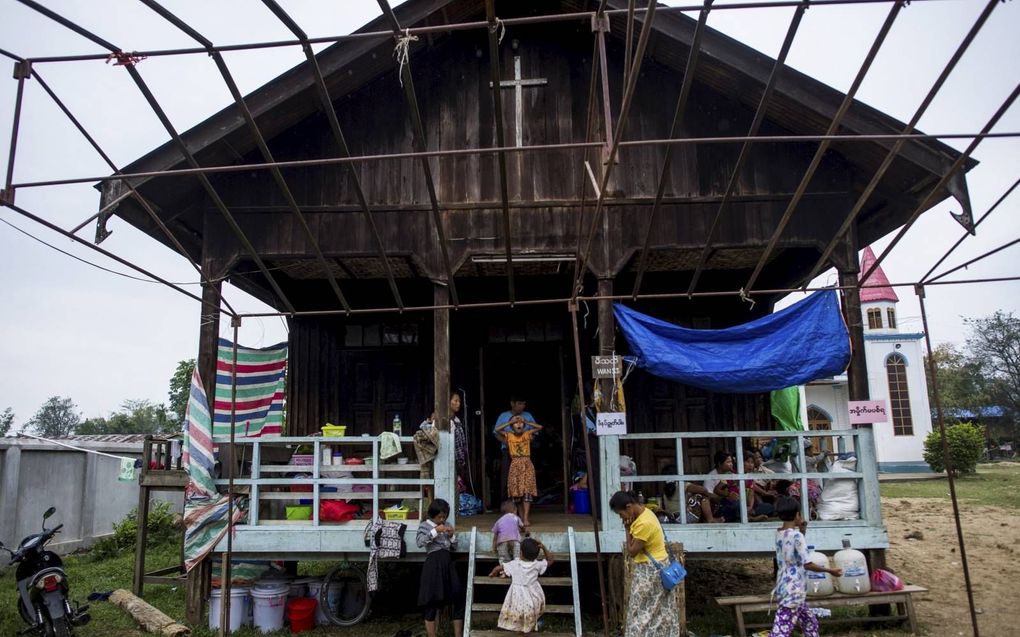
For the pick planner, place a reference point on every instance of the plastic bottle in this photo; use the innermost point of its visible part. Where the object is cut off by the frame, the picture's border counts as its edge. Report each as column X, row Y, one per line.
column 396, row 425
column 855, row 579
column 818, row 584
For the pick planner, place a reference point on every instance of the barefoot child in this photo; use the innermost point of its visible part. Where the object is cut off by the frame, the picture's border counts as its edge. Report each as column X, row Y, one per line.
column 525, row 601
column 440, row 584
column 791, row 582
column 506, row 534
column 521, row 485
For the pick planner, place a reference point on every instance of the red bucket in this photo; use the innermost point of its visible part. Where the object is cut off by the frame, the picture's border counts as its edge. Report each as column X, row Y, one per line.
column 301, row 612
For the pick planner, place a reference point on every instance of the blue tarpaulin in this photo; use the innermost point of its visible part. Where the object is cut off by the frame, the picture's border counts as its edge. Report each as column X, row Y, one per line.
column 801, row 343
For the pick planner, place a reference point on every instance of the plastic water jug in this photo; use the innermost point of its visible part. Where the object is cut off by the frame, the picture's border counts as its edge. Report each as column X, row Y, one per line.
column 855, row 579
column 818, row 584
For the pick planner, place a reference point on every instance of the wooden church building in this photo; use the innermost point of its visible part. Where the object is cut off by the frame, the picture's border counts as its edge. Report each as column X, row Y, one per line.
column 422, row 266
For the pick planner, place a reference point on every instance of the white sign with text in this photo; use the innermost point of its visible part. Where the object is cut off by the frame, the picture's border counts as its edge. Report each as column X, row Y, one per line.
column 611, row 423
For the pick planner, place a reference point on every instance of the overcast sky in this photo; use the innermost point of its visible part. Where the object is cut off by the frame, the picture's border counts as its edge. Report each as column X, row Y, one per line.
column 73, row 330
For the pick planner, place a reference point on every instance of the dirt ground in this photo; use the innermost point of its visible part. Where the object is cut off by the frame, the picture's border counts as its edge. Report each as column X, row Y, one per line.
column 923, row 551
column 992, row 537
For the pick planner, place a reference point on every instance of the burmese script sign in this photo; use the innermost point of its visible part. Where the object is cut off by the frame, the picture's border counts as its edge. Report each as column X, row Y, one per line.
column 606, row 366
column 611, row 423
column 868, row 411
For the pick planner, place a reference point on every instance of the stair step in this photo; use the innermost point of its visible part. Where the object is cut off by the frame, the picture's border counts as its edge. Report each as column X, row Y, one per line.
column 558, row 609
column 503, row 633
column 505, row 581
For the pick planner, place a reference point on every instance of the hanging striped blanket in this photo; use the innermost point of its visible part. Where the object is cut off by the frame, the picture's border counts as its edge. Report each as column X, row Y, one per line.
column 261, row 377
column 205, row 509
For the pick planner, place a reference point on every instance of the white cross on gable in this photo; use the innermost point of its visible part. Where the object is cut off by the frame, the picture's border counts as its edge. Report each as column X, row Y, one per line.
column 518, row 84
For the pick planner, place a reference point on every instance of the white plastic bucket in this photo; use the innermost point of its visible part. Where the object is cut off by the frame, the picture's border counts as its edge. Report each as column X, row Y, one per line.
column 314, row 588
column 269, row 602
column 238, row 607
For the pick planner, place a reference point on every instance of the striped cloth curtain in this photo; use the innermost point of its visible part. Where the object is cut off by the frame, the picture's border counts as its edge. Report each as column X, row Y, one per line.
column 261, row 385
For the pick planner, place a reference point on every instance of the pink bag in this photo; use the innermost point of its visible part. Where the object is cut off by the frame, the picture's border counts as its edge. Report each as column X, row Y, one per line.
column 883, row 581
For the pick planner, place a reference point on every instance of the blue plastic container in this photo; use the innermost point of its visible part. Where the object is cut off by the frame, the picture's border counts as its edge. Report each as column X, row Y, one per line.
column 579, row 498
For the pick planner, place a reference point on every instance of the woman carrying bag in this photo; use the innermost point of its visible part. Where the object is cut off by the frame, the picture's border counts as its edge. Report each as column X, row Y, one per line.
column 651, row 610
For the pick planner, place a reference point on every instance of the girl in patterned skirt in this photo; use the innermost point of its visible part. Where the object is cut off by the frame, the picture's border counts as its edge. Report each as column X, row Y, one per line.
column 521, row 486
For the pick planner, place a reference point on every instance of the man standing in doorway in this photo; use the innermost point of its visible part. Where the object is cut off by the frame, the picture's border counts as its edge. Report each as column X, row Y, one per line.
column 517, row 405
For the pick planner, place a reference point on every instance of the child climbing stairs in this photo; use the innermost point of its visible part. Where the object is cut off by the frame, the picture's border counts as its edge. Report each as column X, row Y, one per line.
column 502, row 582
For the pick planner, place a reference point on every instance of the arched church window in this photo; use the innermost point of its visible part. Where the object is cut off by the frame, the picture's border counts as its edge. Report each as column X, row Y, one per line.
column 899, row 395
column 818, row 420
column 891, row 316
column 874, row 319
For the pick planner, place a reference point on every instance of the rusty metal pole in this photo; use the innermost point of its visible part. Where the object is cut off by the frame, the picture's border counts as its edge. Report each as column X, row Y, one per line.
column 572, row 306
column 22, row 70
column 947, row 461
column 226, row 574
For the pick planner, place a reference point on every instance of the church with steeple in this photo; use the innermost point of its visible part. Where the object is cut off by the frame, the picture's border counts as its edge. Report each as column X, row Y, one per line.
column 895, row 375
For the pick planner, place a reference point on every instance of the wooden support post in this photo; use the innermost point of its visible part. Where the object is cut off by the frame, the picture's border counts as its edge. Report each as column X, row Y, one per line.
column 848, row 269
column 209, row 335
column 142, row 520
column 443, row 467
column 441, row 358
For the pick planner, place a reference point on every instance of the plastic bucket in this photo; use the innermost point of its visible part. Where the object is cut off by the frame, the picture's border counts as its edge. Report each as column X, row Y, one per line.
column 314, row 588
column 269, row 601
column 579, row 498
column 298, row 588
column 238, row 607
column 301, row 612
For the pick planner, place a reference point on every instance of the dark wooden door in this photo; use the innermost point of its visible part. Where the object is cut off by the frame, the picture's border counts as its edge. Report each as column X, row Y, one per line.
column 383, row 383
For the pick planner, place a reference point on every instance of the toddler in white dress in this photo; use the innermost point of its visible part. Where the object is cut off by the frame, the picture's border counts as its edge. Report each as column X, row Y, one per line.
column 525, row 601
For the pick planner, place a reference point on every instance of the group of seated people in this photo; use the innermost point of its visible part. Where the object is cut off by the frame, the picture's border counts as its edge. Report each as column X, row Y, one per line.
column 717, row 499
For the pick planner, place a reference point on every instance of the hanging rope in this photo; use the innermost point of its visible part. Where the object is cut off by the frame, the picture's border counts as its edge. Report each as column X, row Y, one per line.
column 402, row 51
column 123, row 58
column 500, row 28
column 745, row 297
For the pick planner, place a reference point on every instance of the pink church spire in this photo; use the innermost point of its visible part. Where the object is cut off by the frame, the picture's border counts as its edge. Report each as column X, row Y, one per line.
column 878, row 278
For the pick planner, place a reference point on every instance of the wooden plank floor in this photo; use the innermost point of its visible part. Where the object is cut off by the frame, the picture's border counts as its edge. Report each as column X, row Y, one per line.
column 540, row 521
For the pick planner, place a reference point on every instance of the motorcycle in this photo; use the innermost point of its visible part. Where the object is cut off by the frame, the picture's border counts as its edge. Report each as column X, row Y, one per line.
column 43, row 586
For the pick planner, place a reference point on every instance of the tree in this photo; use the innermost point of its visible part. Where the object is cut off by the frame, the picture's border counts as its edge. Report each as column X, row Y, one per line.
column 966, row 443
column 180, row 389
column 135, row 417
column 995, row 342
column 963, row 383
column 58, row 417
column 6, row 420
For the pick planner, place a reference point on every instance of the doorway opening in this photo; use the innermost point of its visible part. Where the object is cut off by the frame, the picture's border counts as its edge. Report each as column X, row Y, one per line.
column 533, row 371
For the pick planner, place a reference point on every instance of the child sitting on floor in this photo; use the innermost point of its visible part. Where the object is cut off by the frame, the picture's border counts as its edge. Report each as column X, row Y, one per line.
column 525, row 601
column 506, row 534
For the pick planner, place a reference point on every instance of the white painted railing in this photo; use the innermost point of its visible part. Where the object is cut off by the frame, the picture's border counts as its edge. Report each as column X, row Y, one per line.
column 857, row 442
column 264, row 479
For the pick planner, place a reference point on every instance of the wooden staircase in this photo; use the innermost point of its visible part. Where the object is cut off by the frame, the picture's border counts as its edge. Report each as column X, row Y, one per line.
column 547, row 582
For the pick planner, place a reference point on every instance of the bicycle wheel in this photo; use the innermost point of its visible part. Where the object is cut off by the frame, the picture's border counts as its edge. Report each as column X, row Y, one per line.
column 344, row 597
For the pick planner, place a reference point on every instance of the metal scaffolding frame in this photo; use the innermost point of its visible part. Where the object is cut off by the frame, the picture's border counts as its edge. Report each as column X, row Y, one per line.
column 633, row 58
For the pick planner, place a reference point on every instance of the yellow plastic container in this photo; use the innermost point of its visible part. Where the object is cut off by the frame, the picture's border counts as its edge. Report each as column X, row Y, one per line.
column 334, row 431
column 301, row 512
column 395, row 514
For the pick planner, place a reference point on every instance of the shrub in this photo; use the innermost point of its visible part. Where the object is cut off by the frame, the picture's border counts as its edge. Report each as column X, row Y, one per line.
column 164, row 527
column 966, row 443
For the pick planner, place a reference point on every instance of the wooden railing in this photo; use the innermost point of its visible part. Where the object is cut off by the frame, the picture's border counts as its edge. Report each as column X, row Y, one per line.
column 856, row 442
column 264, row 479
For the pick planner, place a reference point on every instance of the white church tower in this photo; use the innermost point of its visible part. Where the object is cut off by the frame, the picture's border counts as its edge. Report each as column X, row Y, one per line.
column 895, row 375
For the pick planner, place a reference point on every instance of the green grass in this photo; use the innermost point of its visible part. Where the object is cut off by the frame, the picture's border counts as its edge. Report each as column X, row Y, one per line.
column 992, row 485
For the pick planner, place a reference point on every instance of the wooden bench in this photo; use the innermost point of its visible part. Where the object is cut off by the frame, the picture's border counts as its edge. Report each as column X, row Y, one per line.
column 762, row 603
